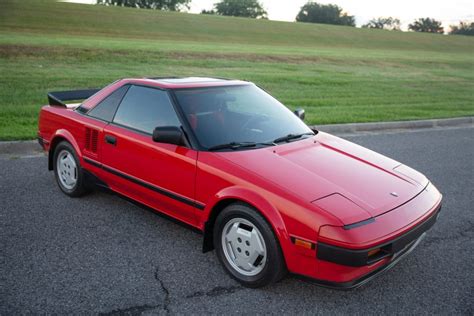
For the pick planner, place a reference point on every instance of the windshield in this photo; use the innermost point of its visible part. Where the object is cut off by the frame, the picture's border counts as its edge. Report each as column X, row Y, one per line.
column 237, row 114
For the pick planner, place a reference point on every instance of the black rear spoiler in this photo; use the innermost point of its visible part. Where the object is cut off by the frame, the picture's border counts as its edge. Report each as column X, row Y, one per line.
column 58, row 97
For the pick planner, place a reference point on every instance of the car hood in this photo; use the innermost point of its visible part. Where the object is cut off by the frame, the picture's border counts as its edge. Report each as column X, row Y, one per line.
column 325, row 166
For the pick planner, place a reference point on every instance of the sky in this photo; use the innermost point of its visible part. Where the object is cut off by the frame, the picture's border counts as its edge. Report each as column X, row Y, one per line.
column 447, row 11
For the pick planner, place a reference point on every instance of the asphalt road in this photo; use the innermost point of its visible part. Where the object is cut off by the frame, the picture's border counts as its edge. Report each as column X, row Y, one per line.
column 101, row 254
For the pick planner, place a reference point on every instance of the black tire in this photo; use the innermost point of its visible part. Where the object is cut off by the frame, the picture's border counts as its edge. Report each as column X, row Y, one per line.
column 79, row 188
column 274, row 267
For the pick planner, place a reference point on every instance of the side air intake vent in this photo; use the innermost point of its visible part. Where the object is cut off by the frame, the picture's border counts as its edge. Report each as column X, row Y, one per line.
column 92, row 137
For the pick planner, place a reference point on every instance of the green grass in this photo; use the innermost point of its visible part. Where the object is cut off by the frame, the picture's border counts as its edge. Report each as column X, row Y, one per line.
column 338, row 74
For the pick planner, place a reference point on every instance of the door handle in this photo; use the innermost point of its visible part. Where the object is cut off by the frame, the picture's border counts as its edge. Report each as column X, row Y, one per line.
column 110, row 139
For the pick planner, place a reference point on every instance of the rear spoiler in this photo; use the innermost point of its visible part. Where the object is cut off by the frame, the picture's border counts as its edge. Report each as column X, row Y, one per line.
column 59, row 97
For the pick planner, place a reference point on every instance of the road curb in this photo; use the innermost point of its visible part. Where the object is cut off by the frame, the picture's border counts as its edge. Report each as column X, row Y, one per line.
column 390, row 126
column 31, row 147
column 20, row 148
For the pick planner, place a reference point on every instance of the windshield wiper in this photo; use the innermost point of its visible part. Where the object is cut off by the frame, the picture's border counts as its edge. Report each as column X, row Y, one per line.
column 291, row 136
column 237, row 145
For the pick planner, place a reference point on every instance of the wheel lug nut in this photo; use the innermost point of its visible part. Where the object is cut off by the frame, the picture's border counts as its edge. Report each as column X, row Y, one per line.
column 239, row 240
column 239, row 250
column 247, row 253
column 247, row 243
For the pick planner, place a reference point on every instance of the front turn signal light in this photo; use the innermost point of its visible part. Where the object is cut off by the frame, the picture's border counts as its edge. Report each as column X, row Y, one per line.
column 373, row 252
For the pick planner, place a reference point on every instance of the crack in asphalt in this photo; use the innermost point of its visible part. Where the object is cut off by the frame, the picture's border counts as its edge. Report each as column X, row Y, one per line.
column 166, row 300
column 139, row 309
column 217, row 291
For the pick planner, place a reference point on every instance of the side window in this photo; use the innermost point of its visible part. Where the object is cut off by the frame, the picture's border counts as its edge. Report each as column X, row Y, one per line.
column 105, row 110
column 144, row 109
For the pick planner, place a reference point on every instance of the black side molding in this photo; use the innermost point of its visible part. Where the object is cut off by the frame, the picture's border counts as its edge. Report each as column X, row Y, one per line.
column 151, row 187
column 58, row 97
column 41, row 142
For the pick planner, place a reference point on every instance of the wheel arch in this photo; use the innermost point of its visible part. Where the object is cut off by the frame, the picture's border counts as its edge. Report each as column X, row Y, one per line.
column 252, row 199
column 208, row 243
column 61, row 135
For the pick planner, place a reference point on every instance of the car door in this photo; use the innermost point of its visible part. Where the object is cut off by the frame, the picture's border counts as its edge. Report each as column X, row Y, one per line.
column 158, row 175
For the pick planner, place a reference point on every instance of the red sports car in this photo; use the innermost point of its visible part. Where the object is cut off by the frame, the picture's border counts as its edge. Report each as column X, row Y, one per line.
column 268, row 193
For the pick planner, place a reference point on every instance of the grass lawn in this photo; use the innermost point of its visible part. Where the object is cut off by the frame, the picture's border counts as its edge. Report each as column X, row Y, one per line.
column 338, row 74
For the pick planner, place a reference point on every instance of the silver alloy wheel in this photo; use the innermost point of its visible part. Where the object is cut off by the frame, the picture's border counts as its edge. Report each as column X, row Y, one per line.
column 244, row 246
column 67, row 169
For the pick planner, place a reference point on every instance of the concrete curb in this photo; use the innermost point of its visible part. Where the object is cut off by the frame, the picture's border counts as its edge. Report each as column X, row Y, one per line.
column 32, row 148
column 20, row 148
column 390, row 126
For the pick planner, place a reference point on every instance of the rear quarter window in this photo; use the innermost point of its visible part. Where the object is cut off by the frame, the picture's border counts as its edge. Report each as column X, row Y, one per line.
column 106, row 109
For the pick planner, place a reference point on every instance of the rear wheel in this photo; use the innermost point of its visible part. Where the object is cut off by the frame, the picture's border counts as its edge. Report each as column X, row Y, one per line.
column 68, row 171
column 246, row 246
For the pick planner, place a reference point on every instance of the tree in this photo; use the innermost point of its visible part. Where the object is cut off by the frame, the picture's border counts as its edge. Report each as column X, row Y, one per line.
column 314, row 12
column 426, row 25
column 464, row 28
column 383, row 23
column 243, row 8
column 169, row 5
column 211, row 12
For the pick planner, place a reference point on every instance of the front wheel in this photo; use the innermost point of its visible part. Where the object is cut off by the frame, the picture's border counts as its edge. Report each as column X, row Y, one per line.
column 68, row 171
column 246, row 246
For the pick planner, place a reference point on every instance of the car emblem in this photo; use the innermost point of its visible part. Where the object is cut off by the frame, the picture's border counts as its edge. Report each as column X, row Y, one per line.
column 395, row 194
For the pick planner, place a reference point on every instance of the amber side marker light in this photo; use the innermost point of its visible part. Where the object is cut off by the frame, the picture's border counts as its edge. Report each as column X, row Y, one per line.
column 303, row 243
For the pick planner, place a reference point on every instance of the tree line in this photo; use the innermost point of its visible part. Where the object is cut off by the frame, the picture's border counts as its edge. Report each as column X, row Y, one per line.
column 311, row 12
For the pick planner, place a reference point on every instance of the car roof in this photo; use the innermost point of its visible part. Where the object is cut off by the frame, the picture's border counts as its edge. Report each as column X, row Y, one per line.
column 186, row 82
column 163, row 83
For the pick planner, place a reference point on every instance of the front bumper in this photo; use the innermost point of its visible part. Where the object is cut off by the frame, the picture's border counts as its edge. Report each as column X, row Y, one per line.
column 392, row 248
column 368, row 277
column 396, row 250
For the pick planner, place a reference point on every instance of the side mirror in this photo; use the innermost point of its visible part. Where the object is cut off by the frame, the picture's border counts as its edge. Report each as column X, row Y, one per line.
column 168, row 135
column 300, row 113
